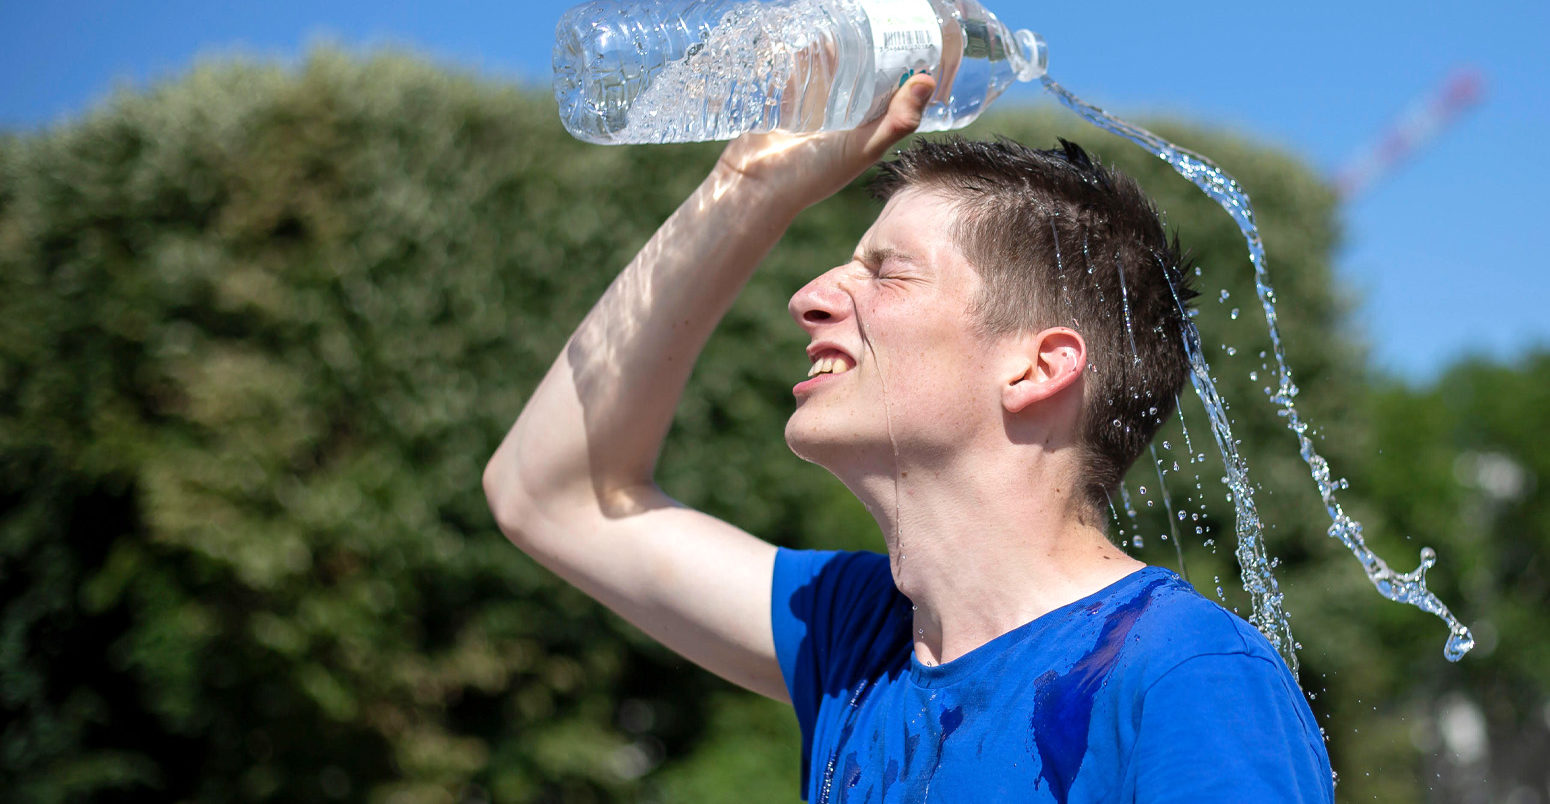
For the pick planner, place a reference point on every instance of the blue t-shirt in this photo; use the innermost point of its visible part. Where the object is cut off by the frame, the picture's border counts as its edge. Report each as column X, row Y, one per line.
column 1143, row 691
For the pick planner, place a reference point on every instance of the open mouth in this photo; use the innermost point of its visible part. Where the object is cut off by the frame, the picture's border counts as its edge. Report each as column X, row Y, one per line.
column 830, row 361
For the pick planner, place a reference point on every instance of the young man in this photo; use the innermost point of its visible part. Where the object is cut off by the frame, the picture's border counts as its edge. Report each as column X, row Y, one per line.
column 1002, row 345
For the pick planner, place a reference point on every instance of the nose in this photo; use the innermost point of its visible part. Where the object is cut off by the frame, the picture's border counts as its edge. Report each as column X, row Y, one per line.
column 821, row 301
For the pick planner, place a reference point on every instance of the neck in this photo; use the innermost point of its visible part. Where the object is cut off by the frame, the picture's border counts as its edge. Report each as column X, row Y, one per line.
column 983, row 552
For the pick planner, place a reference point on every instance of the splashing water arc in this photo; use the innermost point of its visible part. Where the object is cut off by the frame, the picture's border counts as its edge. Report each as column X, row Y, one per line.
column 1267, row 615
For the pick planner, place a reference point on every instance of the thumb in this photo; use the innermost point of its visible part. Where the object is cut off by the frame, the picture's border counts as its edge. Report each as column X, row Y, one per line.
column 909, row 104
column 903, row 115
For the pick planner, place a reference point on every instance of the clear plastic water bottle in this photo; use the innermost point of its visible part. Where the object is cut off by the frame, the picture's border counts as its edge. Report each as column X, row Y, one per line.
column 642, row 71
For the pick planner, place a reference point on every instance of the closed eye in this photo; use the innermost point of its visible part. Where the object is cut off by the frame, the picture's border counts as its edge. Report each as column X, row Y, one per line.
column 882, row 263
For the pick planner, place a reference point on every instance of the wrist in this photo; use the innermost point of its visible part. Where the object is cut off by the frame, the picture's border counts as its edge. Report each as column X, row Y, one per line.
column 757, row 195
column 757, row 191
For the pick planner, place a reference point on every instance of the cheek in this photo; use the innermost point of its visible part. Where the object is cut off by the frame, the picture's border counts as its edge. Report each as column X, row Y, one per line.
column 934, row 377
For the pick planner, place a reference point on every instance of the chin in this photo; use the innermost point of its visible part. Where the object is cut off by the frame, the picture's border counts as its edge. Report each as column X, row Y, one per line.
column 815, row 439
column 836, row 445
column 806, row 441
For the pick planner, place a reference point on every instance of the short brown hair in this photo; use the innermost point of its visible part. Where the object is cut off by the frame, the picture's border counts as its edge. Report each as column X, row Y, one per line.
column 1061, row 240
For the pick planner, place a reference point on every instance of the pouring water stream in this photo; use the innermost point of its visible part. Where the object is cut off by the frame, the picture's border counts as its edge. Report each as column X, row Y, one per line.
column 1268, row 614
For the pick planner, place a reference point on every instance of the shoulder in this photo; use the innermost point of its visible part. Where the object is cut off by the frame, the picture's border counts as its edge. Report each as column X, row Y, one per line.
column 1177, row 639
column 1150, row 626
column 1203, row 683
column 1175, row 624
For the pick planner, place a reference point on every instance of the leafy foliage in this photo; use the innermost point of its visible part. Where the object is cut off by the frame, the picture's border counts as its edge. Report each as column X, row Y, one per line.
column 260, row 329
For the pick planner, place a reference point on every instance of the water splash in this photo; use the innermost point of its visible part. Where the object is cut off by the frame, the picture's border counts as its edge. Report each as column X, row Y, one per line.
column 1135, row 357
column 1267, row 612
column 1189, row 447
column 1130, row 511
column 1124, row 298
column 1402, row 587
column 1162, row 487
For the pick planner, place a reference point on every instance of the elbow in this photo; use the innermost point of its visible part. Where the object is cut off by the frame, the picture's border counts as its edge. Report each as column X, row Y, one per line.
column 535, row 497
column 512, row 508
column 530, row 501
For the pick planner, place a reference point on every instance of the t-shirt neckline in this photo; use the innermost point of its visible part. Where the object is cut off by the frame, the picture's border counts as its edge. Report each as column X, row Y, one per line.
column 942, row 675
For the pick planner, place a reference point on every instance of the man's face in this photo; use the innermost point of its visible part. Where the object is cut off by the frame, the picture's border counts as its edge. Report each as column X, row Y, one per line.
column 901, row 369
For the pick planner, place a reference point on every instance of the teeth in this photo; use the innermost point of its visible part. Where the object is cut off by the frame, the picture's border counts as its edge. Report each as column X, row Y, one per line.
column 828, row 365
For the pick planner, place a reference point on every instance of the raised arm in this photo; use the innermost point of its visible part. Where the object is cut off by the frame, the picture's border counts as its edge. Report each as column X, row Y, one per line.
column 572, row 483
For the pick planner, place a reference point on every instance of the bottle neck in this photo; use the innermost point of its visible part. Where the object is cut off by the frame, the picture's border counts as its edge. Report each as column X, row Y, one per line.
column 1030, row 58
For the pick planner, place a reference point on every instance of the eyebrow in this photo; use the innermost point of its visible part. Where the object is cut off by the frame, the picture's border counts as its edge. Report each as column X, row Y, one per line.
column 878, row 256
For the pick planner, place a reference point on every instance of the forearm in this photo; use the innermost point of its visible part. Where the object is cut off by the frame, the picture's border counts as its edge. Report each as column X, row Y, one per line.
column 594, row 426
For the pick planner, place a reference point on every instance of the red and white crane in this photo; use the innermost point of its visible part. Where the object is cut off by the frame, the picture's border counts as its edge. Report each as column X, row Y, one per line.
column 1418, row 125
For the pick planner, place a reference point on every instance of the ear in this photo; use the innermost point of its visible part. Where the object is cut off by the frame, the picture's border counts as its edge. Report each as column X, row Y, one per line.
column 1042, row 365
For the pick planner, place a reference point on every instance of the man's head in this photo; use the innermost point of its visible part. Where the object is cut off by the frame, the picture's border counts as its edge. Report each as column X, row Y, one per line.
column 1058, row 240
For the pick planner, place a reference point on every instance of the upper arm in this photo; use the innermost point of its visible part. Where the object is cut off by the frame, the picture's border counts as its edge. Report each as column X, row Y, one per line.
column 696, row 584
column 571, row 485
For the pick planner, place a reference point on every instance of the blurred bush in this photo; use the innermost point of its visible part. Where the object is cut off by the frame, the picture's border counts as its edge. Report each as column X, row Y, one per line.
column 260, row 329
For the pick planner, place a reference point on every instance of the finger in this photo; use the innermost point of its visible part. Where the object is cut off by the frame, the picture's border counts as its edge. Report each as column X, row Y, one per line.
column 903, row 115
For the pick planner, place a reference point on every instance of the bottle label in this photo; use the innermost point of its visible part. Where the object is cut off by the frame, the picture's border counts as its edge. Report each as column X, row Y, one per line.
column 906, row 36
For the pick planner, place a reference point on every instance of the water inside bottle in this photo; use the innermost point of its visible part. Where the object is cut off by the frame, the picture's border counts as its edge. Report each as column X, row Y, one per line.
column 761, row 66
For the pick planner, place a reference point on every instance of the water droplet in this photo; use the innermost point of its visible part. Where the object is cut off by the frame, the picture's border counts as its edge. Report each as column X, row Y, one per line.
column 1234, row 314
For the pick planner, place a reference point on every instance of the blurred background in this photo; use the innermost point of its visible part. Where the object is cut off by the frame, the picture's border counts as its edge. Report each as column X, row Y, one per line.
column 274, row 281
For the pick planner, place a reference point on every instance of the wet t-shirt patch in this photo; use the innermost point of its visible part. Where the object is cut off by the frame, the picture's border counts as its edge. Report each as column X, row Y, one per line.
column 1142, row 691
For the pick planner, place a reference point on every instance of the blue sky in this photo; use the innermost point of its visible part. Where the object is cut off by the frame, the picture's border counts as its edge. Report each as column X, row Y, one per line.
column 1444, row 253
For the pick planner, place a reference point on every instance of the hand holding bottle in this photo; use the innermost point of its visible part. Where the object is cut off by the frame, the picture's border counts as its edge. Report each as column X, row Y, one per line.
column 799, row 170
